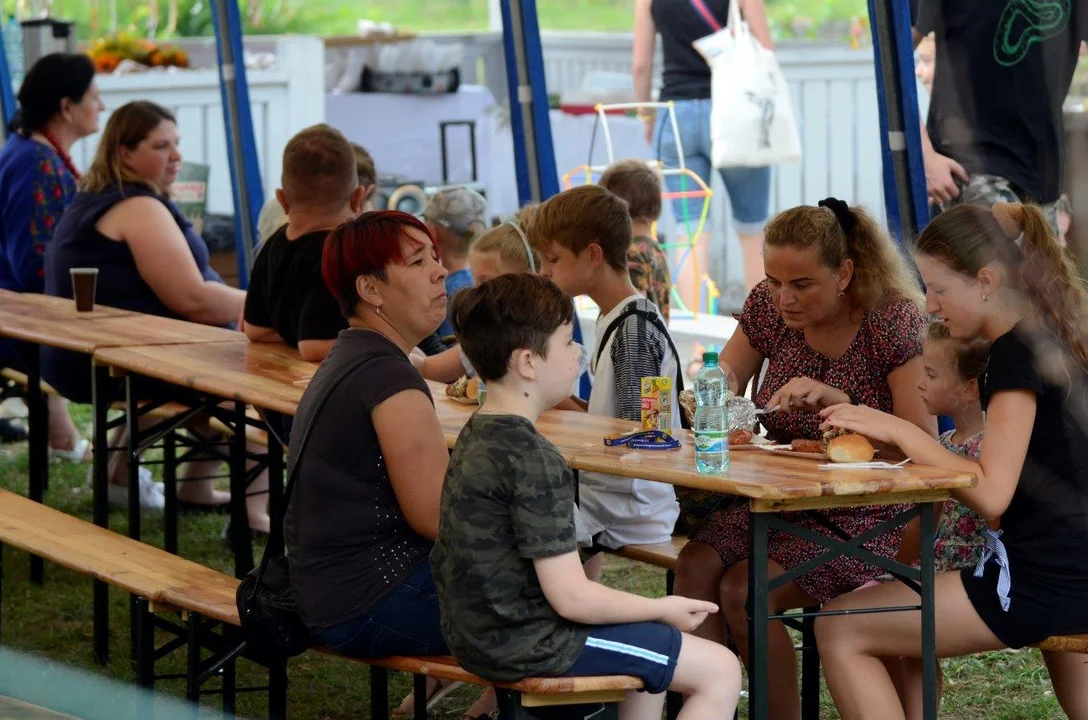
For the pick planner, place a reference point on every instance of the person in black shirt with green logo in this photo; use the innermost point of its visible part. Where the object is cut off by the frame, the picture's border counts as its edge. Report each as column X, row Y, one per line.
column 1003, row 69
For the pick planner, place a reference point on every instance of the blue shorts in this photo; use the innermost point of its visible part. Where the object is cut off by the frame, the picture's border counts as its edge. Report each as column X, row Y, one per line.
column 405, row 622
column 749, row 188
column 646, row 650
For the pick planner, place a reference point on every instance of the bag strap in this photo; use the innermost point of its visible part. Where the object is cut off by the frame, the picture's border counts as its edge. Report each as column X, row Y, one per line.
column 655, row 320
column 276, row 541
column 708, row 17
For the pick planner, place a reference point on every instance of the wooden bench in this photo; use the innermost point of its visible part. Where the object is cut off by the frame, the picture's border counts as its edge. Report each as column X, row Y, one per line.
column 165, row 584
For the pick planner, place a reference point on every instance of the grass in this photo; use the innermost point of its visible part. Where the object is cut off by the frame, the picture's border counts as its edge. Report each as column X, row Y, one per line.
column 54, row 621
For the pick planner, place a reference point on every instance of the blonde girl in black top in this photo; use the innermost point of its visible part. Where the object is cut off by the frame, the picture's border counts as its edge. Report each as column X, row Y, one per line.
column 1000, row 275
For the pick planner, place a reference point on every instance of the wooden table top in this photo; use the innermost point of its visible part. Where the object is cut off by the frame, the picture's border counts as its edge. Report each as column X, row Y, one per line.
column 266, row 375
column 273, row 377
column 53, row 321
column 753, row 473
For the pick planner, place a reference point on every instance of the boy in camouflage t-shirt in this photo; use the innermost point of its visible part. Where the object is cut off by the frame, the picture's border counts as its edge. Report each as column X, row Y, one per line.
column 514, row 598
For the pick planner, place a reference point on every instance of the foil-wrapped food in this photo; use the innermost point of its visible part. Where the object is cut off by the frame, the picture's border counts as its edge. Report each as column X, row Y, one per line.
column 742, row 411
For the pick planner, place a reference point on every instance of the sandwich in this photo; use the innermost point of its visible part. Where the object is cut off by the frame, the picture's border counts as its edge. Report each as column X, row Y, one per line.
column 843, row 446
column 464, row 388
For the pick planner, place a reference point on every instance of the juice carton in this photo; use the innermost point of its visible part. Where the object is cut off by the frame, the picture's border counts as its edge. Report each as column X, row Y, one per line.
column 656, row 394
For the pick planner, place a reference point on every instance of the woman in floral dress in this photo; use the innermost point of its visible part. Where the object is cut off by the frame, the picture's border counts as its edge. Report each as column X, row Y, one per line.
column 838, row 320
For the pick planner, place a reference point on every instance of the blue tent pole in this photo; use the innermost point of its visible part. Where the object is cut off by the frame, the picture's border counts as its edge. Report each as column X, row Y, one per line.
column 8, row 103
column 905, row 195
column 245, row 172
column 534, row 153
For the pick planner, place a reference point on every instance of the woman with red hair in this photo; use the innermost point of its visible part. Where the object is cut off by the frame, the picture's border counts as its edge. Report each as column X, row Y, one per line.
column 364, row 513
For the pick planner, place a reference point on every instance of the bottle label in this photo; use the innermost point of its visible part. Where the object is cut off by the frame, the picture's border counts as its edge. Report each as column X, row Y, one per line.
column 711, row 441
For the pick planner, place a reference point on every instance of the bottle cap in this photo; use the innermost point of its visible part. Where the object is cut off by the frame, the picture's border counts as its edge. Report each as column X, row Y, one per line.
column 710, row 358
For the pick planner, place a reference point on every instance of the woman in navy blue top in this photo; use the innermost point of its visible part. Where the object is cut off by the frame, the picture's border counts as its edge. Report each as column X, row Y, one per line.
column 1000, row 275
column 59, row 104
column 149, row 259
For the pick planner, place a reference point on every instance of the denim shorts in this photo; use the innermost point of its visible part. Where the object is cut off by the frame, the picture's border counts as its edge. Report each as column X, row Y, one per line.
column 749, row 188
column 404, row 623
column 647, row 650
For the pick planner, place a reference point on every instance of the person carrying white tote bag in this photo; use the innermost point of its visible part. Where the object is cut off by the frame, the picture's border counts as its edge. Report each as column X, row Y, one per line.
column 751, row 117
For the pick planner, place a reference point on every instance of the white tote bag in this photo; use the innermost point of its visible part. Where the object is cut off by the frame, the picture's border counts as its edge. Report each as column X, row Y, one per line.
column 751, row 112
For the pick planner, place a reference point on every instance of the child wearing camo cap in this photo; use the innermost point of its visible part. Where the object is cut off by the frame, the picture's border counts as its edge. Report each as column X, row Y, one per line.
column 456, row 215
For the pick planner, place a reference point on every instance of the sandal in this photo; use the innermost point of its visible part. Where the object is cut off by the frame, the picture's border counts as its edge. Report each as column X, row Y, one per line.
column 407, row 706
column 76, row 456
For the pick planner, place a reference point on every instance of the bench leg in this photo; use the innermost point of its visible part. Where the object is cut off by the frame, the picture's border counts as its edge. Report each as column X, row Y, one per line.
column 170, row 486
column 38, row 446
column 277, row 691
column 810, row 669
column 510, row 704
column 674, row 702
column 611, row 711
column 379, row 693
column 145, row 660
column 419, row 696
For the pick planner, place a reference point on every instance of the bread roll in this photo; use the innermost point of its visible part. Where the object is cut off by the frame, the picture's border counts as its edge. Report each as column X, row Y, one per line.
column 850, row 448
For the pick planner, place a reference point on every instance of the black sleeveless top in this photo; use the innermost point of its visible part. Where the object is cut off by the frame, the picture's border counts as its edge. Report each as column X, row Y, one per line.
column 686, row 75
column 77, row 243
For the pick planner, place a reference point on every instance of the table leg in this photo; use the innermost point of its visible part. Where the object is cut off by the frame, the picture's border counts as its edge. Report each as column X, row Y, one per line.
column 100, row 501
column 132, row 418
column 239, row 518
column 275, row 468
column 38, row 417
column 928, row 512
column 758, row 660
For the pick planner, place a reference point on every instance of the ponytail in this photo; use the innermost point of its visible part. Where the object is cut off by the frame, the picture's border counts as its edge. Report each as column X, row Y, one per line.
column 1047, row 276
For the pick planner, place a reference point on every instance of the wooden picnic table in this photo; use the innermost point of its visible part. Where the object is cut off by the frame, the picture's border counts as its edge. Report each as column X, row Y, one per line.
column 270, row 376
column 265, row 377
column 37, row 320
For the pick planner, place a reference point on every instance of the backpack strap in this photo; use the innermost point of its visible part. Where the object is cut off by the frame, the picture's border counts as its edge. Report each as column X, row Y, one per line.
column 655, row 320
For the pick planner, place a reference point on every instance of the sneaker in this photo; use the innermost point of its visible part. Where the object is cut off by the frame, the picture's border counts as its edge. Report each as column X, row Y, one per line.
column 152, row 496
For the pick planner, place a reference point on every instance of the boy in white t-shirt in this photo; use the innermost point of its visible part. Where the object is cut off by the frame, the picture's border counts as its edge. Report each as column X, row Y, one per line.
column 582, row 236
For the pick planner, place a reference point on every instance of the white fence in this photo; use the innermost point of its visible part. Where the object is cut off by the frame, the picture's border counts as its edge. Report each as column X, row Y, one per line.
column 283, row 99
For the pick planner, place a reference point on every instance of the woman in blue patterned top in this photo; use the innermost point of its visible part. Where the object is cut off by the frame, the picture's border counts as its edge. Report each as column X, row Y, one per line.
column 59, row 104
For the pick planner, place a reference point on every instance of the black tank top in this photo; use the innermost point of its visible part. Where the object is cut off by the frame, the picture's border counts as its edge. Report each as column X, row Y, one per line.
column 686, row 75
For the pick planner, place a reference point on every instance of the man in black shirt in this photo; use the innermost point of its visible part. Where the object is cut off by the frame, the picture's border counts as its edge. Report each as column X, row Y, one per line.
column 287, row 300
column 1003, row 68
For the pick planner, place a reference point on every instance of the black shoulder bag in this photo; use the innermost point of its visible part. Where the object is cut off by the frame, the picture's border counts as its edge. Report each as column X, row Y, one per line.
column 266, row 602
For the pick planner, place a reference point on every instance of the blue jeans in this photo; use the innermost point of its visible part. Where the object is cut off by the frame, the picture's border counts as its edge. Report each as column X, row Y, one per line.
column 749, row 188
column 404, row 623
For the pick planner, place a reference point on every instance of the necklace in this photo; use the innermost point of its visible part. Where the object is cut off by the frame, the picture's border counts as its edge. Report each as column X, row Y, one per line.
column 64, row 157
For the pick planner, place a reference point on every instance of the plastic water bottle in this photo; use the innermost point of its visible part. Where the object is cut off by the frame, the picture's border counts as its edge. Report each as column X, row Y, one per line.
column 13, row 48
column 711, row 424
